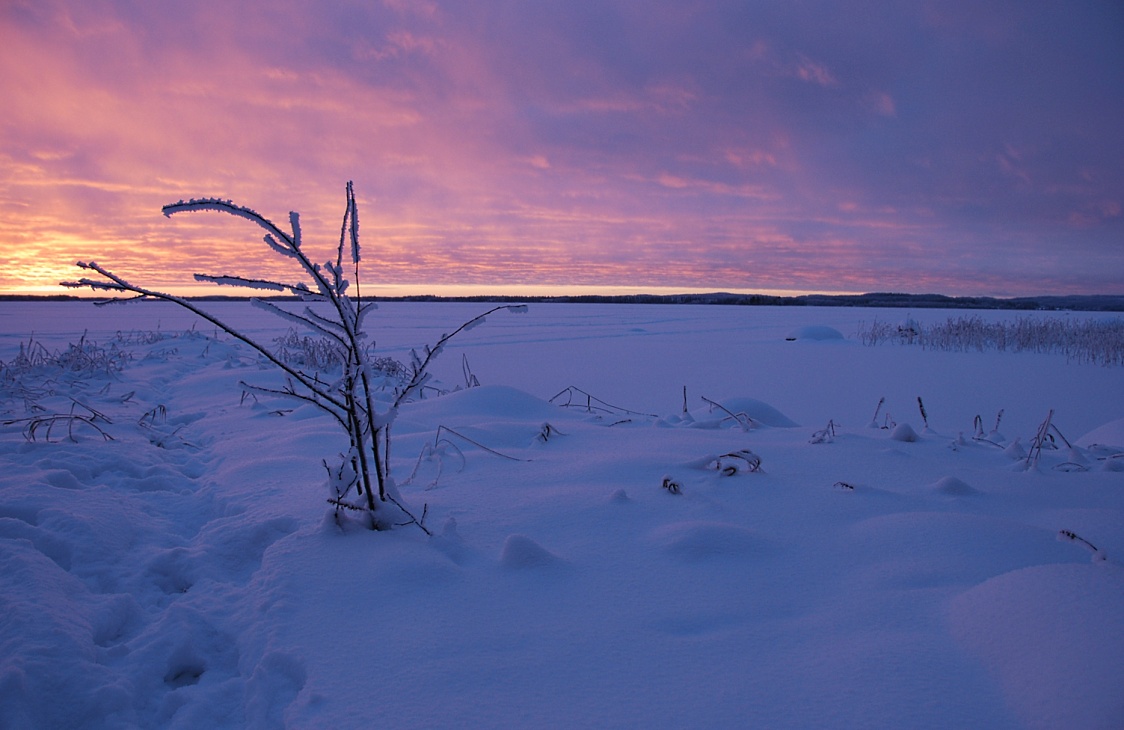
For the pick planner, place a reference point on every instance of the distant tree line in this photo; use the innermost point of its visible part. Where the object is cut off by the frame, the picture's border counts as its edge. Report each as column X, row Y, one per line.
column 1081, row 303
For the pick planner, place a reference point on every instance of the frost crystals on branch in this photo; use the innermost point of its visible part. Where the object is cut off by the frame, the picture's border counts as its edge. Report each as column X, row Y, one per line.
column 362, row 480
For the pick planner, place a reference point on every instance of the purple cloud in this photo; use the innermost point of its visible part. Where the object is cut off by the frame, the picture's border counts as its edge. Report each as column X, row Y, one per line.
column 967, row 149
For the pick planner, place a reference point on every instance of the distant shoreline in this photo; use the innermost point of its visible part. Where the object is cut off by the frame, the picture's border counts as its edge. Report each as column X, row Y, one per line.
column 1075, row 303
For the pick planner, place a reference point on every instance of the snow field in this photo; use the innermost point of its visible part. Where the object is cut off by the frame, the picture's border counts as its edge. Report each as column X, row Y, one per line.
column 189, row 574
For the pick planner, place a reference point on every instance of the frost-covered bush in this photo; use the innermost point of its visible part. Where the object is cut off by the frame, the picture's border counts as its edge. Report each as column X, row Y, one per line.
column 361, row 480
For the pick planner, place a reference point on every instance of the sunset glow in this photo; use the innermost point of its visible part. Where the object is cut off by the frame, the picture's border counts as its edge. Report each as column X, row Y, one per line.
column 572, row 147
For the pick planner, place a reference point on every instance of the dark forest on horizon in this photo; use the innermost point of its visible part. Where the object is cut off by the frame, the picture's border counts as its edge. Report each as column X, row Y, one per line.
column 1080, row 303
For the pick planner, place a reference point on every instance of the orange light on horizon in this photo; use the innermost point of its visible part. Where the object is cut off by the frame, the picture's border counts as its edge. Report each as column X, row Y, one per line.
column 524, row 159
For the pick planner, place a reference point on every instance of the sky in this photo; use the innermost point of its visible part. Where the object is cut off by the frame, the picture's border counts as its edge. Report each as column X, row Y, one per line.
column 554, row 146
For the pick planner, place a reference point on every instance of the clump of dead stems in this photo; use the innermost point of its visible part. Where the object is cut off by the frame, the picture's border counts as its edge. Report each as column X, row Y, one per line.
column 740, row 418
column 825, row 435
column 40, row 377
column 443, row 446
column 81, row 359
column 742, row 461
column 574, row 397
column 1044, row 440
column 1096, row 341
column 80, row 416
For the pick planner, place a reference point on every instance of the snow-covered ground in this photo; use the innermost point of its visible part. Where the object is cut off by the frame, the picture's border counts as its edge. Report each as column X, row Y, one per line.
column 188, row 573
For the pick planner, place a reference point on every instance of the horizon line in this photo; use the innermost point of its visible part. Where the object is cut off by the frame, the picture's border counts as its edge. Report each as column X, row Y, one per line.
column 885, row 299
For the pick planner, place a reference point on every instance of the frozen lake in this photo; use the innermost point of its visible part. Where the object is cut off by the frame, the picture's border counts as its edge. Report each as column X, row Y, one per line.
column 168, row 559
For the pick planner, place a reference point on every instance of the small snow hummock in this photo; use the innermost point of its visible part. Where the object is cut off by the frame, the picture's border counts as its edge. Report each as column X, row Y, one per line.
column 521, row 552
column 815, row 333
column 954, row 487
column 904, row 432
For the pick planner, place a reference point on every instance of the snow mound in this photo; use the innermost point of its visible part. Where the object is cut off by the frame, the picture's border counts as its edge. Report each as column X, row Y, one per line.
column 760, row 412
column 1042, row 631
column 816, row 332
column 1109, row 434
column 954, row 487
column 700, row 541
column 521, row 552
column 1015, row 450
column 904, row 432
column 486, row 402
column 619, row 497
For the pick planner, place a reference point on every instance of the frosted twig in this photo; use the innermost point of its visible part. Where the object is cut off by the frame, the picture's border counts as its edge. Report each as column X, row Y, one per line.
column 592, row 403
column 740, row 418
column 825, row 434
column 1039, row 441
column 1069, row 536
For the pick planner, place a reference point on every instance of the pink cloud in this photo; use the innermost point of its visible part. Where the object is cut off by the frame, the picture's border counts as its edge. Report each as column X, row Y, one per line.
column 882, row 104
column 570, row 144
column 808, row 70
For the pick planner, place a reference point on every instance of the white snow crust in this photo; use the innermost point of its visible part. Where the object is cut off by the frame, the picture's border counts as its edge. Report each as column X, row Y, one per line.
column 189, row 574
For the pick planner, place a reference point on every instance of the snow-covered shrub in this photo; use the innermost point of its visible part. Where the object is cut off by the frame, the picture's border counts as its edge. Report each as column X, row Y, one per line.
column 361, row 480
